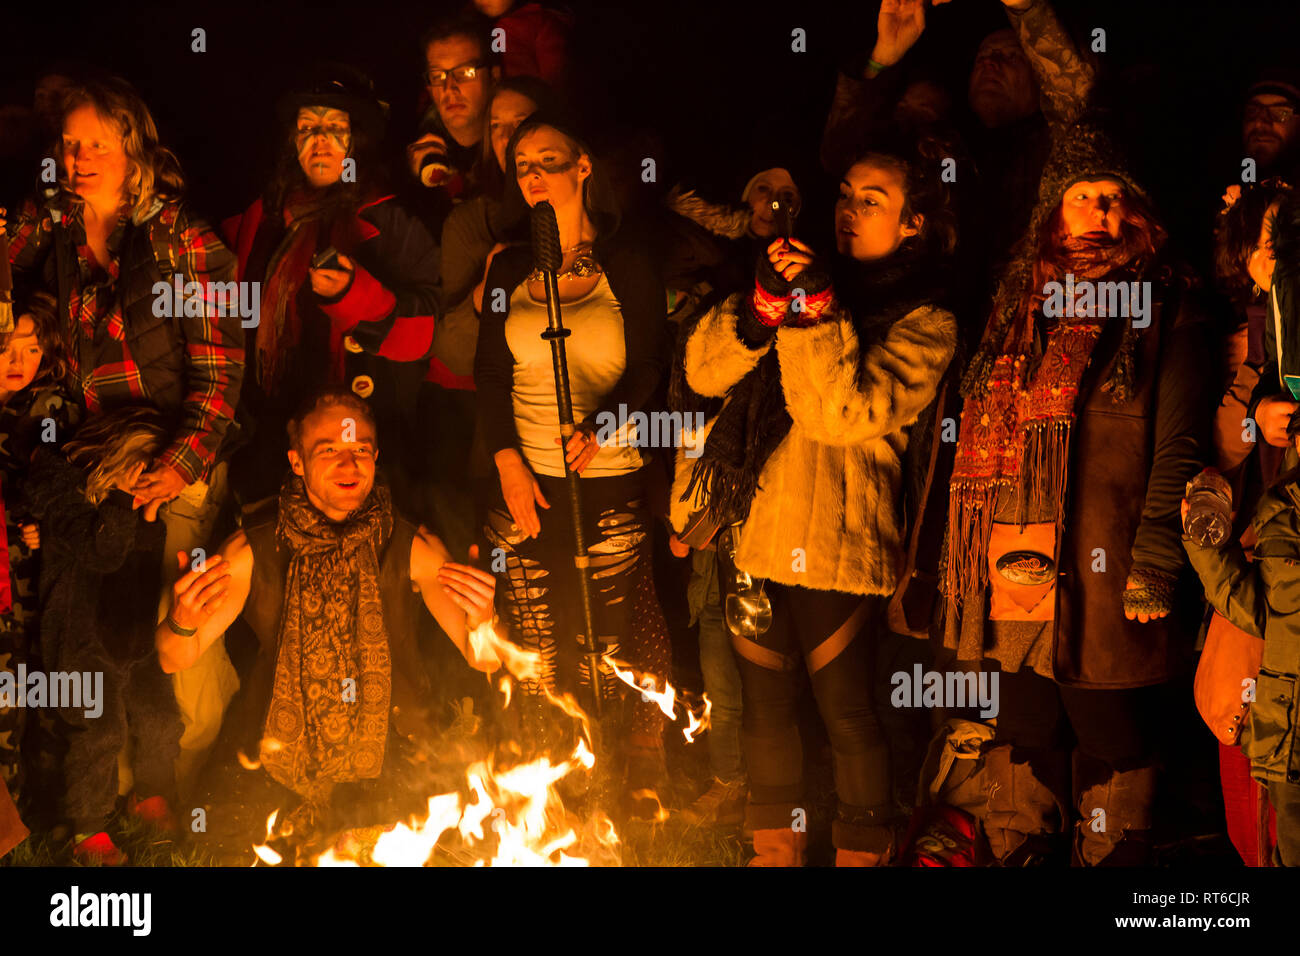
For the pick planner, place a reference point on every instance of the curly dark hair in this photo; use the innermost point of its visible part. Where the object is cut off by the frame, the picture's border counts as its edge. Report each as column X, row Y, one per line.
column 917, row 155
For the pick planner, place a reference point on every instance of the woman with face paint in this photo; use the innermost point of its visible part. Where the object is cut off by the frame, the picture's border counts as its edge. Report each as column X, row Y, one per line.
column 614, row 303
column 347, row 279
column 813, row 381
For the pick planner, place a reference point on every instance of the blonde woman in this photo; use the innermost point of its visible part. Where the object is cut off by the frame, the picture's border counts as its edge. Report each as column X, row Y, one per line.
column 114, row 229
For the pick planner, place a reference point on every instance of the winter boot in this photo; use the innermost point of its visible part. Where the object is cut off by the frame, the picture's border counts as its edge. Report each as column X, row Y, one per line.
column 783, row 847
column 723, row 804
column 1115, row 817
column 1024, row 815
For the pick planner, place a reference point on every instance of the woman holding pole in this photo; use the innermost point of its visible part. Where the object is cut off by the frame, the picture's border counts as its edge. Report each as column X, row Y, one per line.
column 613, row 303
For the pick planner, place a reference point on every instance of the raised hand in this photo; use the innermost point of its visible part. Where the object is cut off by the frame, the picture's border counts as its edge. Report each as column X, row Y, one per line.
column 899, row 26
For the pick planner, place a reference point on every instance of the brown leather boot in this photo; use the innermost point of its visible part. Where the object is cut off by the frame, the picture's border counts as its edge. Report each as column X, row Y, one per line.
column 1114, row 827
column 1022, row 810
column 783, row 847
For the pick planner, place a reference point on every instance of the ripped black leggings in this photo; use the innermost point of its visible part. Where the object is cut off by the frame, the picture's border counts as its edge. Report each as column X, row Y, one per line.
column 542, row 604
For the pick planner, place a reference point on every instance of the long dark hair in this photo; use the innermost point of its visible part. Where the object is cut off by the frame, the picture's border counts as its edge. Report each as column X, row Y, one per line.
column 1236, row 231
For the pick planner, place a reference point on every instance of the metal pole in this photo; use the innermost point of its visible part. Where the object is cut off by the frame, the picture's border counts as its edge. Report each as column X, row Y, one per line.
column 556, row 333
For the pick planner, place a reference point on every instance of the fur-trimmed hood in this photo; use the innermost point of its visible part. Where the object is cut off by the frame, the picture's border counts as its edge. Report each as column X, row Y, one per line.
column 727, row 221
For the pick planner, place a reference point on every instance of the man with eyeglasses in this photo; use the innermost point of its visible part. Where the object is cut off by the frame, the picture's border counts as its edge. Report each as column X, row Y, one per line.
column 459, row 74
column 1269, row 123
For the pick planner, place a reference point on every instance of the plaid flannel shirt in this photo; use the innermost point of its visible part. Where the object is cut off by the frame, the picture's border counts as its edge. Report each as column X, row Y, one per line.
column 213, row 364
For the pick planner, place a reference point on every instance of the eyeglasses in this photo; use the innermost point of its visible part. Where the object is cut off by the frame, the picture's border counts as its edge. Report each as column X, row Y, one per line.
column 1273, row 114
column 748, row 610
column 461, row 74
column 340, row 136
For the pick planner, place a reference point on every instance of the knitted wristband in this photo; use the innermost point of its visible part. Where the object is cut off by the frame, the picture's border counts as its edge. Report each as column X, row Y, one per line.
column 768, row 308
column 814, row 306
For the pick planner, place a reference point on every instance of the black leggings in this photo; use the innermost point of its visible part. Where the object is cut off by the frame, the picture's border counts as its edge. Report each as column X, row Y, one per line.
column 801, row 620
column 541, row 596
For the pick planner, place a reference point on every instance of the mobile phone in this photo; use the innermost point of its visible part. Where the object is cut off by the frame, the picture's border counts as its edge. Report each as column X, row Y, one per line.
column 326, row 259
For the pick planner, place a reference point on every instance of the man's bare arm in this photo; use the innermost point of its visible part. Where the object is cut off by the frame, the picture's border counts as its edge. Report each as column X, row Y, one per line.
column 208, row 600
column 458, row 596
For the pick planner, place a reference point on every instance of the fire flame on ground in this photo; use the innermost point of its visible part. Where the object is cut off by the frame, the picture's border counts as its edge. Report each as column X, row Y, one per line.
column 518, row 805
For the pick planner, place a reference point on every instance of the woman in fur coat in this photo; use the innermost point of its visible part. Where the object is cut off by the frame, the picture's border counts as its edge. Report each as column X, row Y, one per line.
column 811, row 383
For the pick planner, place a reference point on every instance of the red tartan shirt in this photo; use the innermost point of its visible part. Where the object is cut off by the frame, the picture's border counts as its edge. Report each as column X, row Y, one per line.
column 214, row 346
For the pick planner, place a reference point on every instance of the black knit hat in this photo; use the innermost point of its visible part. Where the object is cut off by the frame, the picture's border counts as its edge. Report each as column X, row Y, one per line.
column 340, row 87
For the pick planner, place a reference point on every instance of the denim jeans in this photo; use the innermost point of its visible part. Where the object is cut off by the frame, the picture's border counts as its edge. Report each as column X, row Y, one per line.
column 718, row 665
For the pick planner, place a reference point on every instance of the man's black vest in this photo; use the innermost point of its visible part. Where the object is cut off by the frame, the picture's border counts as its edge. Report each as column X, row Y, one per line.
column 409, row 701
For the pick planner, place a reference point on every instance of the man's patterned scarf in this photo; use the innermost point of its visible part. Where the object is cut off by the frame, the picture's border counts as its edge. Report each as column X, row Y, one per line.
column 328, row 718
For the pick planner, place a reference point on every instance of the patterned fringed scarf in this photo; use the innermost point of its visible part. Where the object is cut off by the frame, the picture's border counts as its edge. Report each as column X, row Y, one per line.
column 1016, row 424
column 321, row 729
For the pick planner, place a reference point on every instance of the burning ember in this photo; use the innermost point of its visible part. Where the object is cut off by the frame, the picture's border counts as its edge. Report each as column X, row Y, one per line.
column 507, row 815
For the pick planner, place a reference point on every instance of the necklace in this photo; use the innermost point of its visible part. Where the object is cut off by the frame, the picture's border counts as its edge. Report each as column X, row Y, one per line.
column 583, row 266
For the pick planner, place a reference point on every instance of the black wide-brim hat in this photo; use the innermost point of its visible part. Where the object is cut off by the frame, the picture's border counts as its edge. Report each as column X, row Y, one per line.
column 340, row 87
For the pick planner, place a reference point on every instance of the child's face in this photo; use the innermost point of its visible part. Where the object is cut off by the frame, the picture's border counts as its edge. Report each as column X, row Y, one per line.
column 21, row 359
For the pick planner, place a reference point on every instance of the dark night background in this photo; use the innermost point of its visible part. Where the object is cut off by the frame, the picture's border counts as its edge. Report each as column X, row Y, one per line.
column 717, row 82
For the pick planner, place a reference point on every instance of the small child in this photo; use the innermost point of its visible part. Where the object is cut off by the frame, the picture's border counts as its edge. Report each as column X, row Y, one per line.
column 1262, row 597
column 99, row 600
column 34, row 405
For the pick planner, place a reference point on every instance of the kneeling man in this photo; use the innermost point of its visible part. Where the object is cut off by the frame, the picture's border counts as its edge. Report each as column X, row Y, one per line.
column 329, row 577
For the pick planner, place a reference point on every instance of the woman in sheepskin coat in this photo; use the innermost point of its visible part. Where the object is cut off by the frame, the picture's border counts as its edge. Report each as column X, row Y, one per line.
column 810, row 384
